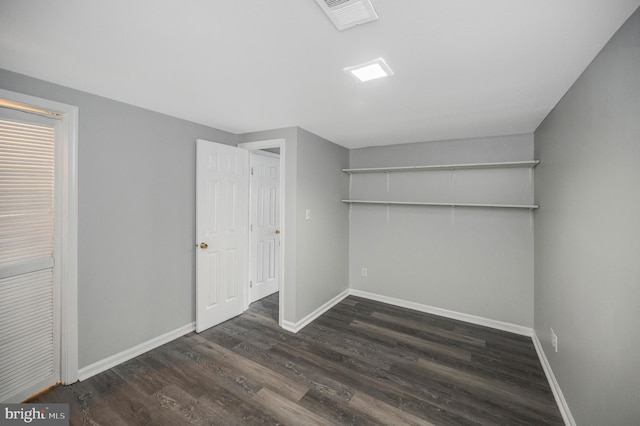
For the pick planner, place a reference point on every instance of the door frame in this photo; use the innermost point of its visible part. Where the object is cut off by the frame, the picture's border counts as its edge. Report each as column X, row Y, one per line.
column 266, row 144
column 66, row 217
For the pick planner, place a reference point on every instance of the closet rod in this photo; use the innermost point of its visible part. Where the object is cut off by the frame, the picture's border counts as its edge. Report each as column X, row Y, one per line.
column 503, row 165
column 420, row 203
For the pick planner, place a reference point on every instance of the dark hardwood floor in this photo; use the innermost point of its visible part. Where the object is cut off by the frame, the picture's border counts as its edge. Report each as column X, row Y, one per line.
column 363, row 362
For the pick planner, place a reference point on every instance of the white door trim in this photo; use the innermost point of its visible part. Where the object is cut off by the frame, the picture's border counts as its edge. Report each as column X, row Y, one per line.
column 266, row 154
column 67, row 221
column 276, row 143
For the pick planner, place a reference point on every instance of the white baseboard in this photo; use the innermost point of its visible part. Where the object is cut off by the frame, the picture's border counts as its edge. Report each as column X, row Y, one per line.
column 553, row 383
column 500, row 325
column 297, row 326
column 110, row 362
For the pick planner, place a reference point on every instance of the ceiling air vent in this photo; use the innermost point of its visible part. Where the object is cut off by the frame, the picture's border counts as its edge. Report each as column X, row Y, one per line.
column 348, row 13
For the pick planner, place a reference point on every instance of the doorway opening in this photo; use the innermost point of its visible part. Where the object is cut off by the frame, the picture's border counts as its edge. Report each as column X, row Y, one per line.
column 264, row 223
column 223, row 287
column 274, row 147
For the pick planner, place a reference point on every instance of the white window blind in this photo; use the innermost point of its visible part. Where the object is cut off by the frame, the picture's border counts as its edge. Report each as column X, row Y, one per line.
column 26, row 192
column 27, row 208
column 26, row 348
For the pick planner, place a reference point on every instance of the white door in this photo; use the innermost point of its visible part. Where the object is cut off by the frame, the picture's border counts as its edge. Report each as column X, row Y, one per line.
column 29, row 285
column 265, row 224
column 222, row 195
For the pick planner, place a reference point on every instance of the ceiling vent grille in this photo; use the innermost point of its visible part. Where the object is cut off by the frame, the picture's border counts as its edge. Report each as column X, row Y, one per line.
column 348, row 13
column 333, row 3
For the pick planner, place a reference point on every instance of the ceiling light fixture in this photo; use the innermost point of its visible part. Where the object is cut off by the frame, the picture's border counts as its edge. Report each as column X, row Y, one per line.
column 371, row 70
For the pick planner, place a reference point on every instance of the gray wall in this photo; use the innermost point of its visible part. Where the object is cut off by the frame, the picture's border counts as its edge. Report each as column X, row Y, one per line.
column 587, row 236
column 136, row 218
column 323, row 240
column 316, row 250
column 474, row 261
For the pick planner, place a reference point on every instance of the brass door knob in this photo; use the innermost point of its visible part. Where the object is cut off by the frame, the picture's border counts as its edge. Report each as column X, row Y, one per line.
column 204, row 245
column 277, row 231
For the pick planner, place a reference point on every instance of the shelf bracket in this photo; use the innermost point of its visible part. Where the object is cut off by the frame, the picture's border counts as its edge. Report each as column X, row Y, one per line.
column 531, row 180
column 531, row 222
column 453, row 181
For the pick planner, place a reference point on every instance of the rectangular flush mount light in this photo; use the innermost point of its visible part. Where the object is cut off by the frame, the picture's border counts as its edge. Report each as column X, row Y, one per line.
column 371, row 70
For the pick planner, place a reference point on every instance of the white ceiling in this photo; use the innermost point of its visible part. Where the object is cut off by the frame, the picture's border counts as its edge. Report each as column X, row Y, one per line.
column 463, row 68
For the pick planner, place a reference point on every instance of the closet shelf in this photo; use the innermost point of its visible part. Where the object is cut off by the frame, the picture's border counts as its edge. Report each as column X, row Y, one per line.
column 504, row 165
column 419, row 203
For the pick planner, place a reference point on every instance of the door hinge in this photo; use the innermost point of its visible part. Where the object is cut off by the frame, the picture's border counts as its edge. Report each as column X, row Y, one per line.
column 252, row 171
column 251, row 227
column 250, row 284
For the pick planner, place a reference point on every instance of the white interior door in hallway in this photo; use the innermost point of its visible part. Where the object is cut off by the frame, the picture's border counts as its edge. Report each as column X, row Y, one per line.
column 222, row 222
column 264, row 232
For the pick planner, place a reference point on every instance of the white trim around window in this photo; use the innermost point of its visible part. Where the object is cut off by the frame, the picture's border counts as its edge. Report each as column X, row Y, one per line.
column 68, row 225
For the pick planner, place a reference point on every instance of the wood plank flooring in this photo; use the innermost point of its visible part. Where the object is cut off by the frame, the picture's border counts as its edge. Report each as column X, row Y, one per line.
column 361, row 363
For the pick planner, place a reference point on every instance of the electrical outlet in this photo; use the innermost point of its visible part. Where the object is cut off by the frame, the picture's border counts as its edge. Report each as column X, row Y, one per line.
column 554, row 340
column 307, row 214
column 364, row 272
